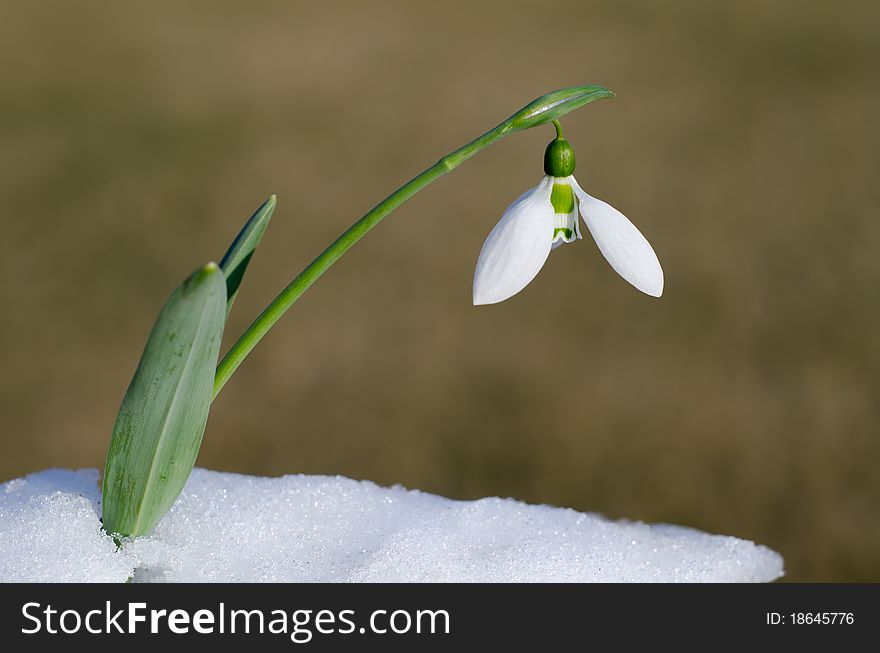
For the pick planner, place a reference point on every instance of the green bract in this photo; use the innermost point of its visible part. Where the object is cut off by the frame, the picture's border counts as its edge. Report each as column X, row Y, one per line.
column 162, row 418
column 556, row 104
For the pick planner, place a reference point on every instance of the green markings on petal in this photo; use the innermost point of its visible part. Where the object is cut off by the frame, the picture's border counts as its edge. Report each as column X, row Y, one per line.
column 565, row 214
column 565, row 232
column 162, row 418
column 235, row 261
column 562, row 198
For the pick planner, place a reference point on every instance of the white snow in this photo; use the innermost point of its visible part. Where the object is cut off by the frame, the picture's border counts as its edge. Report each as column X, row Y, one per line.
column 229, row 527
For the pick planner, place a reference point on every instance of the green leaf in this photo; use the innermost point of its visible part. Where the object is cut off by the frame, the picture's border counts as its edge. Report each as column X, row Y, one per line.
column 556, row 104
column 162, row 418
column 235, row 261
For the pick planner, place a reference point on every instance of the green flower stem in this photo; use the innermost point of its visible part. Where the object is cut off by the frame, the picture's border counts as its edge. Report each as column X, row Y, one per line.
column 545, row 109
column 329, row 256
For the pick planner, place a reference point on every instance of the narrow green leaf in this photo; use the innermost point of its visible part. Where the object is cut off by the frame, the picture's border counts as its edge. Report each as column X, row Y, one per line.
column 236, row 259
column 162, row 418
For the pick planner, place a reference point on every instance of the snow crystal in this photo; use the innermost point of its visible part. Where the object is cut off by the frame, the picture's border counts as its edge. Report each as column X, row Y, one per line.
column 50, row 531
column 229, row 527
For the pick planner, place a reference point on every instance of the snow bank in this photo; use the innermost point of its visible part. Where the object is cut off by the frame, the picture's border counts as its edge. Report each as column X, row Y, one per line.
column 228, row 527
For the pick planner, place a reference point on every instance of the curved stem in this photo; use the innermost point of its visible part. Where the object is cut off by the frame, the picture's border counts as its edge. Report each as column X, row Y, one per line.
column 273, row 312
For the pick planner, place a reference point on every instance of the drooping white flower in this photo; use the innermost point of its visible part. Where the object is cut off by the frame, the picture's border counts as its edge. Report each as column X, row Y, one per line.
column 546, row 217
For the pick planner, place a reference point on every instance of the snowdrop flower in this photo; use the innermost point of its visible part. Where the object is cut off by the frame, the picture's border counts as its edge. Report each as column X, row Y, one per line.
column 546, row 217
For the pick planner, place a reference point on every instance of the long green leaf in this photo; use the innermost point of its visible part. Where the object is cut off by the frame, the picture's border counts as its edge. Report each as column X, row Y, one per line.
column 162, row 418
column 235, row 261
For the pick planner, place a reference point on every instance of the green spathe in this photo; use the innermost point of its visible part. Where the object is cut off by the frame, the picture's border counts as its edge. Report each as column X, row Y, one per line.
column 554, row 105
column 162, row 418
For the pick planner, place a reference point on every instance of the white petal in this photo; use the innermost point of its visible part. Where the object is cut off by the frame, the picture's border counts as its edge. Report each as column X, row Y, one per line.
column 622, row 245
column 518, row 246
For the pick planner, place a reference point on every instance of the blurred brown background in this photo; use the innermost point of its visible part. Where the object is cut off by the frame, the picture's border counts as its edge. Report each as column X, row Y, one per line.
column 135, row 139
